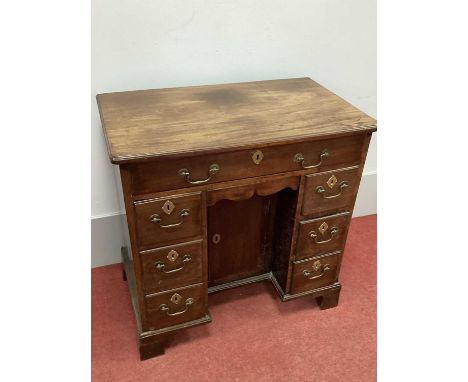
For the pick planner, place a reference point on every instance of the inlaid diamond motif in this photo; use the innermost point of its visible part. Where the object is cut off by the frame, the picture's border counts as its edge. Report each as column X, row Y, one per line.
column 332, row 181
column 168, row 207
column 172, row 255
column 176, row 298
column 323, row 227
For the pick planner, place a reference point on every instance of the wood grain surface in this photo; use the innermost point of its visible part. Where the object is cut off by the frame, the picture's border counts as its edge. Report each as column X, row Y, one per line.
column 145, row 124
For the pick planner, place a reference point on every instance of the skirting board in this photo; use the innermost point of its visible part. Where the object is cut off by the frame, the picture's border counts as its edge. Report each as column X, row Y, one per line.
column 366, row 201
column 107, row 230
column 106, row 240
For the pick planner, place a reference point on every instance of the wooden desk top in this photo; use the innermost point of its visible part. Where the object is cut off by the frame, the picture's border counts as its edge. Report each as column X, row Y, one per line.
column 146, row 124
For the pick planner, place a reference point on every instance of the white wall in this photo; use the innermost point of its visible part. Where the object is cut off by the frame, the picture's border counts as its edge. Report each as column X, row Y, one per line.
column 154, row 43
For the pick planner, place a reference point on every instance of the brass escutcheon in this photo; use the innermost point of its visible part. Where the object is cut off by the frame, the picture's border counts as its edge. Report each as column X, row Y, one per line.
column 332, row 181
column 316, row 265
column 172, row 255
column 257, row 156
column 168, row 207
column 216, row 238
column 176, row 297
column 323, row 227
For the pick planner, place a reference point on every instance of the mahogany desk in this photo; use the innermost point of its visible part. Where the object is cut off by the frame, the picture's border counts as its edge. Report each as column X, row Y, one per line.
column 227, row 185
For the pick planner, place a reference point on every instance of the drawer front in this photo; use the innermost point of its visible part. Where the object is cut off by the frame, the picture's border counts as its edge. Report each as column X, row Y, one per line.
column 165, row 220
column 313, row 273
column 172, row 267
column 322, row 235
column 330, row 192
column 177, row 173
column 175, row 307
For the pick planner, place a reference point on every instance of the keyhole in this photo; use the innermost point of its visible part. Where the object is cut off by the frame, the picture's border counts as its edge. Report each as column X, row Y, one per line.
column 257, row 157
column 216, row 238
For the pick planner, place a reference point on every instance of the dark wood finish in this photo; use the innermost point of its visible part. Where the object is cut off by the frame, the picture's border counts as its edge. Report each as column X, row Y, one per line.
column 129, row 267
column 177, row 312
column 284, row 230
column 263, row 186
column 124, row 275
column 318, row 292
column 242, row 192
column 151, row 234
column 240, row 253
column 333, row 199
column 263, row 204
column 295, row 233
column 326, row 242
column 328, row 301
column 152, row 347
column 150, row 342
column 160, row 272
column 130, row 257
column 326, row 273
column 343, row 152
column 238, row 283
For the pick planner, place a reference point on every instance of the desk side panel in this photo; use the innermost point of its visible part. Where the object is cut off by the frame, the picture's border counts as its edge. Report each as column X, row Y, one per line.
column 123, row 212
column 123, row 180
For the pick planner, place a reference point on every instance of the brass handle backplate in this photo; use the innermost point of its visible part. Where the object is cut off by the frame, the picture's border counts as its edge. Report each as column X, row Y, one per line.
column 316, row 267
column 313, row 236
column 321, row 190
column 301, row 159
column 157, row 219
column 212, row 170
column 165, row 308
column 160, row 265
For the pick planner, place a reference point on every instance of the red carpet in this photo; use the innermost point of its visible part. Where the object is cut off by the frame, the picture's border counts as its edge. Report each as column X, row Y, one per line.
column 254, row 336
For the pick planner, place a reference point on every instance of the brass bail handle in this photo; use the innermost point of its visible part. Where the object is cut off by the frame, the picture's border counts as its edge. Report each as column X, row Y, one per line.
column 317, row 266
column 165, row 308
column 157, row 219
column 313, row 235
column 301, row 159
column 212, row 170
column 321, row 190
column 160, row 265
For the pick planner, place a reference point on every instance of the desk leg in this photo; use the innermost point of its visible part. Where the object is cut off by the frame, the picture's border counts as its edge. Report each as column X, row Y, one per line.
column 328, row 301
column 124, row 275
column 152, row 347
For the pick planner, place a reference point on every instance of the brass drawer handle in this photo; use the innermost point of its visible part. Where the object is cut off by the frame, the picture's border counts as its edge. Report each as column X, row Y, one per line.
column 160, row 265
column 321, row 190
column 316, row 266
column 166, row 308
column 213, row 169
column 301, row 159
column 313, row 235
column 157, row 219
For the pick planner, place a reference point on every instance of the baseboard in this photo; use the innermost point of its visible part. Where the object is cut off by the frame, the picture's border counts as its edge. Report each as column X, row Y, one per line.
column 366, row 201
column 106, row 240
column 107, row 232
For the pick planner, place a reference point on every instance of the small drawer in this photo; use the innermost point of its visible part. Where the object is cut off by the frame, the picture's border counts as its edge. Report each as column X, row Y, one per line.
column 313, row 273
column 330, row 192
column 322, row 155
column 168, row 219
column 175, row 307
column 172, row 267
column 322, row 235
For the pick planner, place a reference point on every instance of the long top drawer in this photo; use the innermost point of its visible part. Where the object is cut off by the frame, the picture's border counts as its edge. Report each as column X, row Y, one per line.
column 163, row 175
